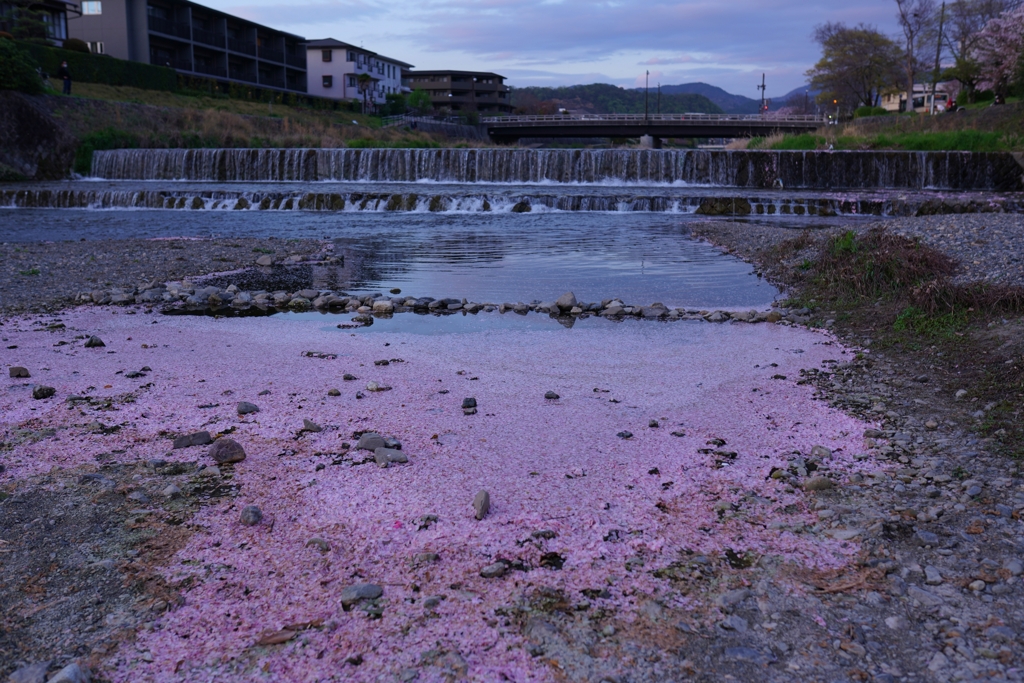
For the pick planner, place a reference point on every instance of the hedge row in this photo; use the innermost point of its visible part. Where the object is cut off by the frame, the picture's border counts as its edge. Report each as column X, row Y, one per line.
column 88, row 68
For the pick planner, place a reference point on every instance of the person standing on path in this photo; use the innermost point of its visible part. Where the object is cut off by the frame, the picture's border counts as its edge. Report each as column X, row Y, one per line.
column 65, row 74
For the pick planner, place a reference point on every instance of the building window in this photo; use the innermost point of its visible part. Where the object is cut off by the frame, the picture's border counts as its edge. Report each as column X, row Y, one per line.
column 92, row 7
column 351, row 81
column 328, row 81
column 96, row 47
column 351, row 56
column 326, row 55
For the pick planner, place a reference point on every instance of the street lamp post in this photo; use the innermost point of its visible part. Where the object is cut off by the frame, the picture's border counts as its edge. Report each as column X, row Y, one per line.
column 647, row 78
column 938, row 53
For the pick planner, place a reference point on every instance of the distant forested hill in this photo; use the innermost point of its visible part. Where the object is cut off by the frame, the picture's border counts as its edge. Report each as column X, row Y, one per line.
column 730, row 104
column 602, row 98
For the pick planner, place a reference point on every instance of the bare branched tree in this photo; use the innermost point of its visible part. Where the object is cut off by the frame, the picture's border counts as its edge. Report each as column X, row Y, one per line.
column 917, row 19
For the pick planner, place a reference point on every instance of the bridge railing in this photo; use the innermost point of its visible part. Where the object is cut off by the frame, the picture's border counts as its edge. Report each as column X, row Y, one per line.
column 651, row 118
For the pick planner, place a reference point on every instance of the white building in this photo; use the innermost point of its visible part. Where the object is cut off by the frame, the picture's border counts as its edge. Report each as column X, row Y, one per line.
column 896, row 102
column 333, row 68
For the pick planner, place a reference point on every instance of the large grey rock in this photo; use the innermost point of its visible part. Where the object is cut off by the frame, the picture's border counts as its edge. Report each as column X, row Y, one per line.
column 94, row 342
column 194, row 439
column 733, row 597
column 251, row 515
column 566, row 302
column 353, row 595
column 40, row 392
column 389, row 455
column 265, row 260
column 32, row 673
column 482, row 504
column 924, row 597
column 494, row 571
column 19, row 372
column 370, row 441
column 244, row 408
column 72, row 673
column 818, row 484
column 226, row 450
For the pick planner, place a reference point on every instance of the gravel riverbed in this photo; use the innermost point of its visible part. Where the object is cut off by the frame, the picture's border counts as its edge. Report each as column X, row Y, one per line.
column 927, row 511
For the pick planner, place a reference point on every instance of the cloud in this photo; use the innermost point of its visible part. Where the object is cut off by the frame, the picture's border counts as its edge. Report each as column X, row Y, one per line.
column 728, row 43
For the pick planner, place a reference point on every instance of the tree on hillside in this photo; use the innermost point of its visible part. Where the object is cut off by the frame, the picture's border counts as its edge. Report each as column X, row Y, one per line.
column 965, row 20
column 999, row 51
column 29, row 24
column 857, row 64
column 17, row 70
column 917, row 19
column 419, row 101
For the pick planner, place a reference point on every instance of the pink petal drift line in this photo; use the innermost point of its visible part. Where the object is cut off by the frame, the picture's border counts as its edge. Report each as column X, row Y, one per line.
column 555, row 465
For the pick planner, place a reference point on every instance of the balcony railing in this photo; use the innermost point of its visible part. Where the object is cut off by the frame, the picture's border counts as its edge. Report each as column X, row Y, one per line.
column 211, row 70
column 246, row 47
column 271, row 55
column 168, row 27
column 272, row 80
column 240, row 73
column 201, row 35
column 296, row 60
column 179, row 64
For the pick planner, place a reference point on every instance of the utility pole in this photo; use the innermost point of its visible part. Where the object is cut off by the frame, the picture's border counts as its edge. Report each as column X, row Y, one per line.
column 659, row 99
column 647, row 78
column 938, row 53
column 761, row 88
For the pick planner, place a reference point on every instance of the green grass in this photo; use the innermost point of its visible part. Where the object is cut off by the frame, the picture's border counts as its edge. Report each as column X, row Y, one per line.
column 30, row 271
column 959, row 140
column 368, row 143
column 942, row 326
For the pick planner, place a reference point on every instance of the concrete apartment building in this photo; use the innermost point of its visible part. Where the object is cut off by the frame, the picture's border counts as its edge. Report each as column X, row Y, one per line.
column 334, row 68
column 462, row 91
column 195, row 40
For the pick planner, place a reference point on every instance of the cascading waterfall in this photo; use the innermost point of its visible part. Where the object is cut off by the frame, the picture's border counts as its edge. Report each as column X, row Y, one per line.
column 746, row 169
column 706, row 203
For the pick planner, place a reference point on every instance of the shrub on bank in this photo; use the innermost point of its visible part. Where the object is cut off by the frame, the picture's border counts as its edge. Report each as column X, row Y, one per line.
column 76, row 45
column 90, row 68
column 17, row 71
column 107, row 138
column 862, row 112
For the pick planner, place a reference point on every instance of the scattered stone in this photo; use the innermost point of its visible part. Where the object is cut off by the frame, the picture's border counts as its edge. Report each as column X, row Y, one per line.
column 265, row 260
column 18, row 372
column 172, row 491
column 194, row 439
column 821, row 452
column 924, row 597
column 625, row 435
column 748, row 654
column 40, row 392
column 432, row 601
column 932, row 577
column 32, row 673
column 310, row 426
column 977, row 585
column 72, row 673
column 245, row 408
column 318, row 543
column 349, row 378
column 94, row 342
column 226, row 450
column 333, row 392
column 482, row 504
column 138, row 496
column 734, row 622
column 370, row 441
column 566, row 302
column 353, row 595
column 388, row 456
column 469, row 406
column 653, row 424
column 733, row 597
column 494, row 571
column 426, row 558
column 817, row 484
column 550, row 395
column 251, row 515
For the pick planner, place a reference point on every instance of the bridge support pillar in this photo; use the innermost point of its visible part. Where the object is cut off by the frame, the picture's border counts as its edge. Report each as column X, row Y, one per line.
column 649, row 142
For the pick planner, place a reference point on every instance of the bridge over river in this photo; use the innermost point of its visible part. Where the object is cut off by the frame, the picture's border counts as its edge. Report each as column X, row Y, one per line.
column 657, row 126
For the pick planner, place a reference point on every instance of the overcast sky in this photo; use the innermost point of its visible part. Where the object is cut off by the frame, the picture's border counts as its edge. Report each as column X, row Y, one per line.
column 727, row 43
